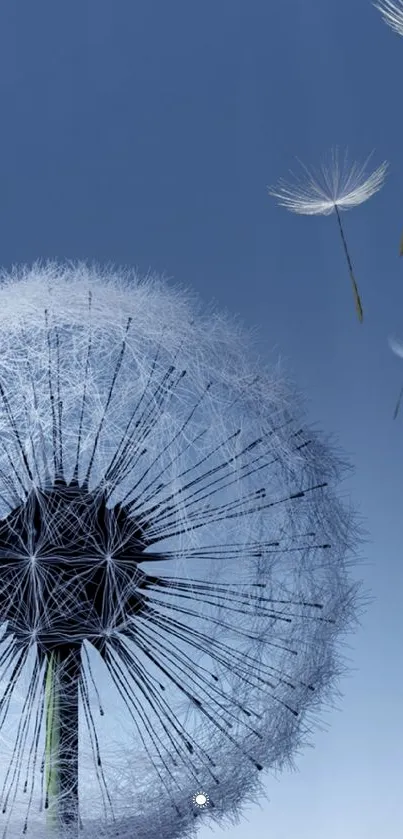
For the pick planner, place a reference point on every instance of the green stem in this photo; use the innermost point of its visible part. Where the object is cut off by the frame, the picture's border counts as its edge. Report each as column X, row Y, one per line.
column 52, row 786
column 61, row 748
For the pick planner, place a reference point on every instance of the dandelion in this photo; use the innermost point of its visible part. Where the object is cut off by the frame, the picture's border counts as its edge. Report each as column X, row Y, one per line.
column 334, row 187
column 173, row 560
column 392, row 13
column 397, row 347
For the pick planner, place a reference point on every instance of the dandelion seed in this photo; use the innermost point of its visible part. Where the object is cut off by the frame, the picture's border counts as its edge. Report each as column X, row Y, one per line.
column 397, row 347
column 173, row 560
column 333, row 187
column 392, row 13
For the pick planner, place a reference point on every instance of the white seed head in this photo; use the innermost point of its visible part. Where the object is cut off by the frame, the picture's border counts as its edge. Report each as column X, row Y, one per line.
column 392, row 13
column 190, row 552
column 336, row 183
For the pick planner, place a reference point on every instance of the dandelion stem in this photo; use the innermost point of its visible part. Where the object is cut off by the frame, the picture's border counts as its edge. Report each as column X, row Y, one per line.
column 52, row 745
column 357, row 299
column 61, row 703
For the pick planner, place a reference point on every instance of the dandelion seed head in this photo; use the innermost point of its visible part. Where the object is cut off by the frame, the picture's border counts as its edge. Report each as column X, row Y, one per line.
column 171, row 542
column 337, row 182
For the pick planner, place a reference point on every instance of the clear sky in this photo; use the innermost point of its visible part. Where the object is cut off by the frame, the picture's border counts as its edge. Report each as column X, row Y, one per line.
column 144, row 132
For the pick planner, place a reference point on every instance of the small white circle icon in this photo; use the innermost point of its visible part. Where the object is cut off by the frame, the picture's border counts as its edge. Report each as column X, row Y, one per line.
column 200, row 799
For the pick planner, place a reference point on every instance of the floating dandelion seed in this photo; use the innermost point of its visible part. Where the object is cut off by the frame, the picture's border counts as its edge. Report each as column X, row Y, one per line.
column 397, row 348
column 173, row 560
column 333, row 187
column 392, row 13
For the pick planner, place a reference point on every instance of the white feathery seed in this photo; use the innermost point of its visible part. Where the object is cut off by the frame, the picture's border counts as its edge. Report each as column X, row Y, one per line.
column 397, row 348
column 337, row 184
column 392, row 13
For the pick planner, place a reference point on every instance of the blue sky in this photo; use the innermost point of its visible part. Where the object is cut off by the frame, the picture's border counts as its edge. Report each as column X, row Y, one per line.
column 145, row 133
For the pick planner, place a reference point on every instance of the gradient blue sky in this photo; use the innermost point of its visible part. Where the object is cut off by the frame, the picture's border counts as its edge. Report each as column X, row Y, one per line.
column 144, row 132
